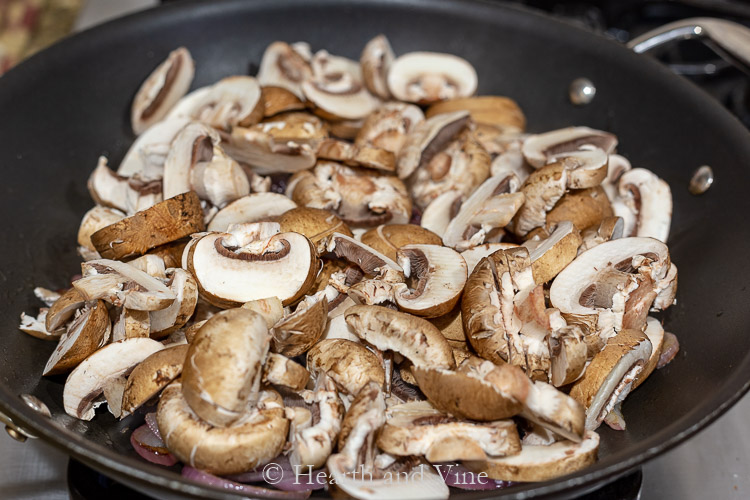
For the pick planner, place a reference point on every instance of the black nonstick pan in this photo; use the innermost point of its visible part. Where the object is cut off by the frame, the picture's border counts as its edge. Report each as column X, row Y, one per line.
column 63, row 108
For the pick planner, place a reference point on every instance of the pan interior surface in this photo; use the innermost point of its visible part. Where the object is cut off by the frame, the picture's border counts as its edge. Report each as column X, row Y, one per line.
column 67, row 106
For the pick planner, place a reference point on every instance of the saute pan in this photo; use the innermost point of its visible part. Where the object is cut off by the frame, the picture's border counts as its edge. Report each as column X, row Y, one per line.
column 66, row 106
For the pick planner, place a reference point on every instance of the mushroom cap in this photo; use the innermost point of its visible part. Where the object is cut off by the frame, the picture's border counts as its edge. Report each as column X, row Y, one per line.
column 315, row 223
column 375, row 61
column 427, row 139
column 151, row 376
column 63, row 309
column 234, row 100
column 415, row 338
column 568, row 353
column 255, row 207
column 542, row 190
column 277, row 100
column 297, row 127
column 255, row 439
column 539, row 149
column 223, row 367
column 294, row 334
column 269, row 308
column 584, row 208
column 280, row 370
column 387, row 239
column 350, row 365
column 553, row 254
column 95, row 219
column 427, row 77
column 474, row 255
column 388, row 126
column 495, row 111
column 89, row 330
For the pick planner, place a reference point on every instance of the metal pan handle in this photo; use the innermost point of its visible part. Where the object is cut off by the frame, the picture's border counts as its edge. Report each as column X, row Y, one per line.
column 729, row 39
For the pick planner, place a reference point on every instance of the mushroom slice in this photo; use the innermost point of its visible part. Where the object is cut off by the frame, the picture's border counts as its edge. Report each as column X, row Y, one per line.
column 387, row 239
column 540, row 462
column 474, row 255
column 300, row 128
column 583, row 207
column 284, row 67
column 62, row 310
column 429, row 138
column 416, row 339
column 232, row 101
column 269, row 308
column 417, row 428
column 194, row 144
column 174, row 317
column 439, row 275
column 131, row 324
column 586, row 169
column 146, row 156
column 350, row 365
column 162, row 223
column 297, row 332
column 277, row 99
column 650, row 199
column 316, row 223
column 568, row 353
column 540, row 149
column 461, row 166
column 86, row 382
column 89, row 330
column 601, row 285
column 338, row 328
column 369, row 260
column 112, row 392
column 356, row 156
column 388, row 126
column 492, row 205
column 35, row 326
column 228, row 275
column 438, row 214
column 254, row 207
column 94, row 220
column 428, row 77
column 280, row 370
column 255, row 439
column 611, row 228
column 151, row 264
column 655, row 333
column 255, row 147
column 123, row 285
column 502, row 113
column 224, row 366
column 610, row 376
column 551, row 255
column 162, row 89
column 219, row 181
column 618, row 165
column 666, row 289
column 125, row 194
column 152, row 375
column 542, row 190
column 375, row 61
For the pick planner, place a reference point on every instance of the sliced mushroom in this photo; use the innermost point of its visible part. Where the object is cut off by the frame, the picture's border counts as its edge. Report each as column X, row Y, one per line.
column 350, row 365
column 146, row 156
column 610, row 228
column 255, row 147
column 299, row 128
column 35, row 326
column 438, row 214
column 356, row 156
column 388, row 126
column 298, row 332
column 387, row 239
column 376, row 60
column 584, row 208
column 648, row 198
column 163, row 223
column 219, row 181
column 151, row 375
column 418, row 429
column 94, row 220
column 62, row 310
column 315, row 223
column 502, row 113
column 169, row 319
column 439, row 275
column 150, row 264
column 257, row 437
column 282, row 265
column 131, row 324
column 540, row 149
column 610, row 376
column 86, row 382
column 429, row 138
column 568, row 353
column 282, row 66
column 540, row 462
column 127, row 195
column 618, row 165
column 223, row 366
column 232, row 101
column 270, row 308
column 553, row 254
column 277, row 99
column 428, row 77
column 112, row 391
column 542, row 190
column 89, row 330
column 666, row 289
column 194, row 144
column 655, row 333
column 282, row 371
column 162, row 89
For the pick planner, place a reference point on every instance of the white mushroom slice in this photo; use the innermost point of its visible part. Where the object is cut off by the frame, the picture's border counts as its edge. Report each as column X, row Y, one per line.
column 62, row 310
column 219, row 181
column 94, row 220
column 369, row 260
column 47, row 296
column 122, row 285
column 193, row 144
column 87, row 381
column 297, row 332
column 337, row 327
column 553, row 254
column 350, row 365
column 255, row 439
column 416, row 428
column 666, row 289
column 282, row 371
column 618, row 165
column 270, row 308
column 511, row 162
column 223, row 366
column 427, row 139
column 540, row 462
column 655, row 333
column 421, row 482
column 151, row 376
column 283, row 265
column 375, row 61
column 540, row 149
column 586, row 169
column 427, row 77
column 146, row 156
column 311, row 446
column 112, row 392
column 266, row 155
column 611, row 228
column 283, row 66
column 389, row 238
column 388, row 126
column 438, row 214
column 150, row 264
column 127, row 195
column 162, row 89
column 462, row 234
column 35, row 326
column 235, row 100
column 650, row 199
column 542, row 189
column 131, row 324
column 178, row 313
column 439, row 275
column 473, row 255
column 568, row 353
column 89, row 330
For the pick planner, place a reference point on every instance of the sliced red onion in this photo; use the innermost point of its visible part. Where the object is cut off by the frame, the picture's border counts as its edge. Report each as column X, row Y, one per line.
column 251, row 476
column 151, row 422
column 151, row 448
column 246, row 489
column 280, row 474
column 416, row 216
column 307, row 480
column 458, row 476
column 669, row 350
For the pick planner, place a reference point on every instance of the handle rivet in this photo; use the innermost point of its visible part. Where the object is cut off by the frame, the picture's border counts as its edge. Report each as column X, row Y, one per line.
column 581, row 91
column 702, row 179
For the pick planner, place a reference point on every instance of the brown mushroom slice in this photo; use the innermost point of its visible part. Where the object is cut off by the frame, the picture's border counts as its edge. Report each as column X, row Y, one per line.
column 356, row 156
column 112, row 391
column 284, row 67
column 270, row 308
column 439, row 275
column 282, row 371
column 131, row 324
column 438, row 214
column 232, row 101
column 282, row 265
column 93, row 220
column 416, row 428
column 255, row 439
column 311, row 446
column 553, row 254
column 35, row 326
column 62, row 310
column 568, row 353
column 415, row 338
column 224, row 366
column 376, row 60
column 298, row 332
column 650, row 199
column 315, row 223
column 666, row 289
column 174, row 317
column 583, row 207
column 655, row 333
column 586, row 169
column 254, row 207
column 89, row 330
column 388, row 126
column 387, row 239
column 162, row 223
column 162, row 89
column 86, row 382
column 542, row 190
column 350, row 365
column 125, row 194
column 122, row 285
column 540, row 462
column 152, row 375
column 610, row 376
column 429, row 138
column 255, row 147
column 428, row 77
column 540, row 149
column 300, row 128
column 369, row 260
column 277, row 99
column 495, row 111
column 611, row 228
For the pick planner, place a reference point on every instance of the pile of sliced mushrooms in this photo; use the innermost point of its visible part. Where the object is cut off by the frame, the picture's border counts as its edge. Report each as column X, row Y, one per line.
column 361, row 269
